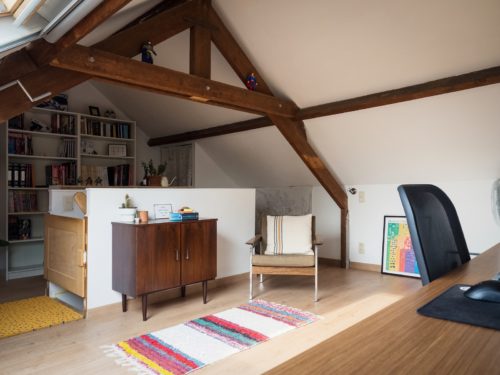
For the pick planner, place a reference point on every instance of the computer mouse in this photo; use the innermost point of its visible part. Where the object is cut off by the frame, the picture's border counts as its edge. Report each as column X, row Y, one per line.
column 488, row 291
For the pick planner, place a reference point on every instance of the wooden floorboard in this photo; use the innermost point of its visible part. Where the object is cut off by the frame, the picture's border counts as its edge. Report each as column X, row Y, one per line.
column 346, row 297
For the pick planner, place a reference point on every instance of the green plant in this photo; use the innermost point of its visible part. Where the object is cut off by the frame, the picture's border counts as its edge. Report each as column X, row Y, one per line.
column 151, row 170
column 128, row 202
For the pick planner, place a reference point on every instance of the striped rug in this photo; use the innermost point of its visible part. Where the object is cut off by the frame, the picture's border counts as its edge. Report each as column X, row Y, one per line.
column 199, row 342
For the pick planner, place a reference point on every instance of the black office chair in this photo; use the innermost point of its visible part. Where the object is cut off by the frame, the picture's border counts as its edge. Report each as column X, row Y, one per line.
column 435, row 230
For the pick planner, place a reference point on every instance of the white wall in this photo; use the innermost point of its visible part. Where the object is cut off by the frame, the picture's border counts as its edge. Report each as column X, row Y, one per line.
column 207, row 173
column 327, row 223
column 472, row 199
column 234, row 208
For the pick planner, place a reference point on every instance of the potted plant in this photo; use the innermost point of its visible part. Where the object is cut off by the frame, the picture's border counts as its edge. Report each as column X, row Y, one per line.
column 127, row 210
column 152, row 174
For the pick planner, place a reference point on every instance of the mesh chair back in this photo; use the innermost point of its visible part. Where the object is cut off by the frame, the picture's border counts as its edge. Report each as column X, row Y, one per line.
column 435, row 230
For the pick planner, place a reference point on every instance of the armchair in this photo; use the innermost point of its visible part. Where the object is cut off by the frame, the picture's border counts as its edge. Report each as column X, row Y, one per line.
column 287, row 245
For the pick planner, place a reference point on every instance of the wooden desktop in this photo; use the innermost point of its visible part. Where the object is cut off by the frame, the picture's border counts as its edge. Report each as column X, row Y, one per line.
column 398, row 340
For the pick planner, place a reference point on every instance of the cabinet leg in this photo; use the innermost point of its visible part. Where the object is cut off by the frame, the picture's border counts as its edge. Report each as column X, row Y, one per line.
column 205, row 287
column 144, row 307
column 183, row 291
column 124, row 302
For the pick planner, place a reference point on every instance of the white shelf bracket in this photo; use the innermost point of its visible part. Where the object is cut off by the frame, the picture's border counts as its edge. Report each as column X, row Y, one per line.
column 17, row 82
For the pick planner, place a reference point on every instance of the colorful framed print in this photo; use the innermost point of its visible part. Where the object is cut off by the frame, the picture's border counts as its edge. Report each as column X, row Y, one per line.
column 398, row 257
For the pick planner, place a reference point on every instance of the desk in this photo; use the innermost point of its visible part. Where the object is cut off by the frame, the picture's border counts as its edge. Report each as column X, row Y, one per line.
column 398, row 340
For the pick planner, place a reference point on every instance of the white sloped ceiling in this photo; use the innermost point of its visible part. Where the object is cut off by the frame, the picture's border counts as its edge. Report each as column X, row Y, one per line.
column 326, row 50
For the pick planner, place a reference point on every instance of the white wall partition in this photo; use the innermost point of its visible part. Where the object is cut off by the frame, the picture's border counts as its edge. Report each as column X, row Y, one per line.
column 234, row 208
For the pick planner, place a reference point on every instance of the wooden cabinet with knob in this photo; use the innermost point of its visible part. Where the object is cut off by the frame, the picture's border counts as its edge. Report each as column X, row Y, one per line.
column 162, row 255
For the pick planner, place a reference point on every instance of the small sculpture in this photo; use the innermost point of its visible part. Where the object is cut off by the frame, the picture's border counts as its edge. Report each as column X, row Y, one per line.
column 98, row 181
column 79, row 180
column 251, row 82
column 88, row 181
column 147, row 52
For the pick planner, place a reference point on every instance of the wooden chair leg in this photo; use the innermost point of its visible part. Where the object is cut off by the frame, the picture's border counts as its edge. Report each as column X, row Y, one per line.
column 261, row 277
column 250, row 297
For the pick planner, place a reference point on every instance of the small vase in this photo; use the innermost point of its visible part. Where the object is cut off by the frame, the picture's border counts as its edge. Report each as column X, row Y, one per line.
column 154, row 181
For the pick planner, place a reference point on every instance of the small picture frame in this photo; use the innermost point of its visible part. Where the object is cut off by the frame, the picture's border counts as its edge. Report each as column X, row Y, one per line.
column 118, row 150
column 398, row 257
column 94, row 111
column 163, row 211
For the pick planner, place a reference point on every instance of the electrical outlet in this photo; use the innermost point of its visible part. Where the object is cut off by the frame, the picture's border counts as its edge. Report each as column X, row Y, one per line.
column 361, row 248
column 361, row 197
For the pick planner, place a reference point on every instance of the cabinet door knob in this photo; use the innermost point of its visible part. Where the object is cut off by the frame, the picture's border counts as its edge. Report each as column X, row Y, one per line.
column 187, row 253
column 177, row 255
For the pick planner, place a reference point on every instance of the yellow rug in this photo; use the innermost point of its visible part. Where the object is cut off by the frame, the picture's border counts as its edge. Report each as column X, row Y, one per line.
column 33, row 313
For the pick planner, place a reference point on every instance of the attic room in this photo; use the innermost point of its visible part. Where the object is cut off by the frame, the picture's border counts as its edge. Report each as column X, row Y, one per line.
column 278, row 122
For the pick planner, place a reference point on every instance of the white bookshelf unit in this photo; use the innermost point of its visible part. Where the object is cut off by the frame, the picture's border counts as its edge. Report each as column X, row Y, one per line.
column 47, row 147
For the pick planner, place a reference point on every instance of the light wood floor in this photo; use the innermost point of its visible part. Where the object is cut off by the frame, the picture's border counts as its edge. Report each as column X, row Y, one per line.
column 346, row 297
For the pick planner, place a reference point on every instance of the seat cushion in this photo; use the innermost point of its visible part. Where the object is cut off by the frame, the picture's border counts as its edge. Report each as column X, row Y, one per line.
column 291, row 260
column 289, row 235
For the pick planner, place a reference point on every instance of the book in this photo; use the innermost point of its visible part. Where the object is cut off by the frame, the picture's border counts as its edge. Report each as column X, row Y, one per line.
column 178, row 216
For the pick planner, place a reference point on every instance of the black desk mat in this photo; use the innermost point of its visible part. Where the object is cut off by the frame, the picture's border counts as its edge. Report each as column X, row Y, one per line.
column 453, row 305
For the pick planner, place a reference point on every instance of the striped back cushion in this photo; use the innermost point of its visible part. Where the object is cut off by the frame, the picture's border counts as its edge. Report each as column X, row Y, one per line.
column 289, row 235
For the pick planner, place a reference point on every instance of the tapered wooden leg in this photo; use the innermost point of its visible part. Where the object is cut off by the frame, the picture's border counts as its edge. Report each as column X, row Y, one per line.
column 124, row 302
column 144, row 307
column 183, row 291
column 205, row 287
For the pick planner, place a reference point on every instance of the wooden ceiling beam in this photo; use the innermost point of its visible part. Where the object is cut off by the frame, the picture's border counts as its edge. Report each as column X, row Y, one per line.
column 441, row 86
column 234, row 54
column 211, row 132
column 20, row 65
column 292, row 131
column 120, row 69
column 200, row 44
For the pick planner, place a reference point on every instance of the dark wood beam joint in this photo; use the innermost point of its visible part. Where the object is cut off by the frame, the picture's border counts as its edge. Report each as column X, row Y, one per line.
column 200, row 45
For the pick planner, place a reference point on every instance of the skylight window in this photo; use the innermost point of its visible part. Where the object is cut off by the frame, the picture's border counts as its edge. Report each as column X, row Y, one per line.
column 22, row 21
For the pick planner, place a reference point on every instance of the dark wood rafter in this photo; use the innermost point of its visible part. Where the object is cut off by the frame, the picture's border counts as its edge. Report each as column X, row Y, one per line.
column 240, row 126
column 292, row 131
column 120, row 69
column 442, row 86
column 39, row 80
column 200, row 44
column 344, row 230
column 43, row 52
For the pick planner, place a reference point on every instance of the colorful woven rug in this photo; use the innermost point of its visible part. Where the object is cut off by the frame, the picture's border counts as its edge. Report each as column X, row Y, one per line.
column 30, row 314
column 199, row 342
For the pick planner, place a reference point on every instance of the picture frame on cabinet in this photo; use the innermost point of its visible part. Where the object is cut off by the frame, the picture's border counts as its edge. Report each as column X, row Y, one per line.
column 163, row 211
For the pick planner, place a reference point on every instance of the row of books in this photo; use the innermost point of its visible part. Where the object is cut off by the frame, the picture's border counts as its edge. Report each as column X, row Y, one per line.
column 67, row 148
column 23, row 201
column 105, row 129
column 20, row 144
column 20, row 175
column 62, row 174
column 19, row 228
column 63, row 124
column 118, row 175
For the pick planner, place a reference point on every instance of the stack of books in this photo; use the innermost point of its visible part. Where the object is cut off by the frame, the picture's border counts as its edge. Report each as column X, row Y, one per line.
column 183, row 215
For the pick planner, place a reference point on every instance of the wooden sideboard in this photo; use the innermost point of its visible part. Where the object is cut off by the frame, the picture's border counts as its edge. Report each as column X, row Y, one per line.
column 161, row 255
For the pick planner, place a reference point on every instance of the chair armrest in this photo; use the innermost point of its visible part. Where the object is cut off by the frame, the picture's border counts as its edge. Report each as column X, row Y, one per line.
column 317, row 242
column 255, row 240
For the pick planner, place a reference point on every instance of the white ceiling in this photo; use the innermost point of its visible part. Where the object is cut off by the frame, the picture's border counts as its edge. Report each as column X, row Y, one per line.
column 319, row 51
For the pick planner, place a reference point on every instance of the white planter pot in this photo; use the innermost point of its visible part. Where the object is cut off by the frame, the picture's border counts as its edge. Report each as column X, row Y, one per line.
column 127, row 215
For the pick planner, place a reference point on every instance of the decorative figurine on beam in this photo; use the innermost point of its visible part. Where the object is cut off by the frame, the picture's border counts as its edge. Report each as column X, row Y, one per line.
column 251, row 82
column 147, row 52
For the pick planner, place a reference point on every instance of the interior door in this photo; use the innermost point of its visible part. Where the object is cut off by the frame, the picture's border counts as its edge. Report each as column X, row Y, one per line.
column 64, row 255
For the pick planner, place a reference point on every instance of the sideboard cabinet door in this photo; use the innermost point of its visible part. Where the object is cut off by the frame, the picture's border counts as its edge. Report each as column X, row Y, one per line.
column 158, row 257
column 199, row 251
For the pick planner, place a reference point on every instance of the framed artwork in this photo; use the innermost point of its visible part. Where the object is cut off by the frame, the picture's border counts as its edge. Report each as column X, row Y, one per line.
column 398, row 257
column 117, row 150
column 163, row 211
column 94, row 111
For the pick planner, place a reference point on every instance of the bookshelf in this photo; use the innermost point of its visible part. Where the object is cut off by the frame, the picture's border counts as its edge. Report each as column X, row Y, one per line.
column 46, row 147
